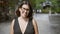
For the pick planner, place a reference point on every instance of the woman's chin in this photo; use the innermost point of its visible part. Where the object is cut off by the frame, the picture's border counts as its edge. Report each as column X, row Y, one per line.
column 24, row 16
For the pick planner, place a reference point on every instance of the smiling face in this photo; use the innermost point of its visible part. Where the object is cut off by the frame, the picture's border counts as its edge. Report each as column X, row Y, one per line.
column 24, row 10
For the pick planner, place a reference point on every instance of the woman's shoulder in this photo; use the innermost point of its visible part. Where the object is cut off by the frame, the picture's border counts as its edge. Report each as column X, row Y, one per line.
column 12, row 23
column 34, row 21
column 14, row 19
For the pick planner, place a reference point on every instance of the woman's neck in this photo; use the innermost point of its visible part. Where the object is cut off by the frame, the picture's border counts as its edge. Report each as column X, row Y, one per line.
column 24, row 18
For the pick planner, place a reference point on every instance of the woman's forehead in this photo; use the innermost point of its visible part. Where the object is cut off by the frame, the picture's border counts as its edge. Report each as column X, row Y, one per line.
column 25, row 6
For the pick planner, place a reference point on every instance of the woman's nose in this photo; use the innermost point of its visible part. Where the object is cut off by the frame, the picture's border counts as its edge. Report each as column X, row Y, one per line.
column 25, row 10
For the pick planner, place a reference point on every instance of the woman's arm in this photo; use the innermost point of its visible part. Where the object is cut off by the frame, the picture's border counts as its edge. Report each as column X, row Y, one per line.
column 11, row 28
column 35, row 26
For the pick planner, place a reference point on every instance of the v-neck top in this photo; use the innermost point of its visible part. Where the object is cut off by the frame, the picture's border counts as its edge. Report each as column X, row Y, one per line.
column 29, row 28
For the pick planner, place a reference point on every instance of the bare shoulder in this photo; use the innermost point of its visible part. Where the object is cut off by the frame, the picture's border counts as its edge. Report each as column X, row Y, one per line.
column 12, row 23
column 11, row 26
column 34, row 21
column 35, row 26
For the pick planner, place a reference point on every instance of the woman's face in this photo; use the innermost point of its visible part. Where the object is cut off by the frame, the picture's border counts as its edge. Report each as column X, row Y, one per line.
column 24, row 10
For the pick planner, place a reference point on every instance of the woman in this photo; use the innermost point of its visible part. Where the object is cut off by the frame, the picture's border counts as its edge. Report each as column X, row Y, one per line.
column 24, row 23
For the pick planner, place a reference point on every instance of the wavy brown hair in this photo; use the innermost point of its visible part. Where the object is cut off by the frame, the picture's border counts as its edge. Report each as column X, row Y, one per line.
column 20, row 6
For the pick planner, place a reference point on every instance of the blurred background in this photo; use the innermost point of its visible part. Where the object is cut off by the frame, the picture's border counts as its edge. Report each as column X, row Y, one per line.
column 46, row 13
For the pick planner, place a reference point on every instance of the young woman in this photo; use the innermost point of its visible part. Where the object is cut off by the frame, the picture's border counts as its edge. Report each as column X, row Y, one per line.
column 24, row 23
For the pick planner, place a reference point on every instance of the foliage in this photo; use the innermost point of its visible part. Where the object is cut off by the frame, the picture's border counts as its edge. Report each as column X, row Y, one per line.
column 36, row 4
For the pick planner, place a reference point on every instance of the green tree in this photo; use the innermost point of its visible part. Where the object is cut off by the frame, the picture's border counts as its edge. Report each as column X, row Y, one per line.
column 56, row 6
column 12, row 3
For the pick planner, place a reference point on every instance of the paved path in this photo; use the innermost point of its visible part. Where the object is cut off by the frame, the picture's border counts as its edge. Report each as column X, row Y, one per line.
column 43, row 23
column 5, row 28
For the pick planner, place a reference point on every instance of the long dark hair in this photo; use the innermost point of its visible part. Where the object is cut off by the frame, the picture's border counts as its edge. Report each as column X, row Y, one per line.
column 30, row 11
